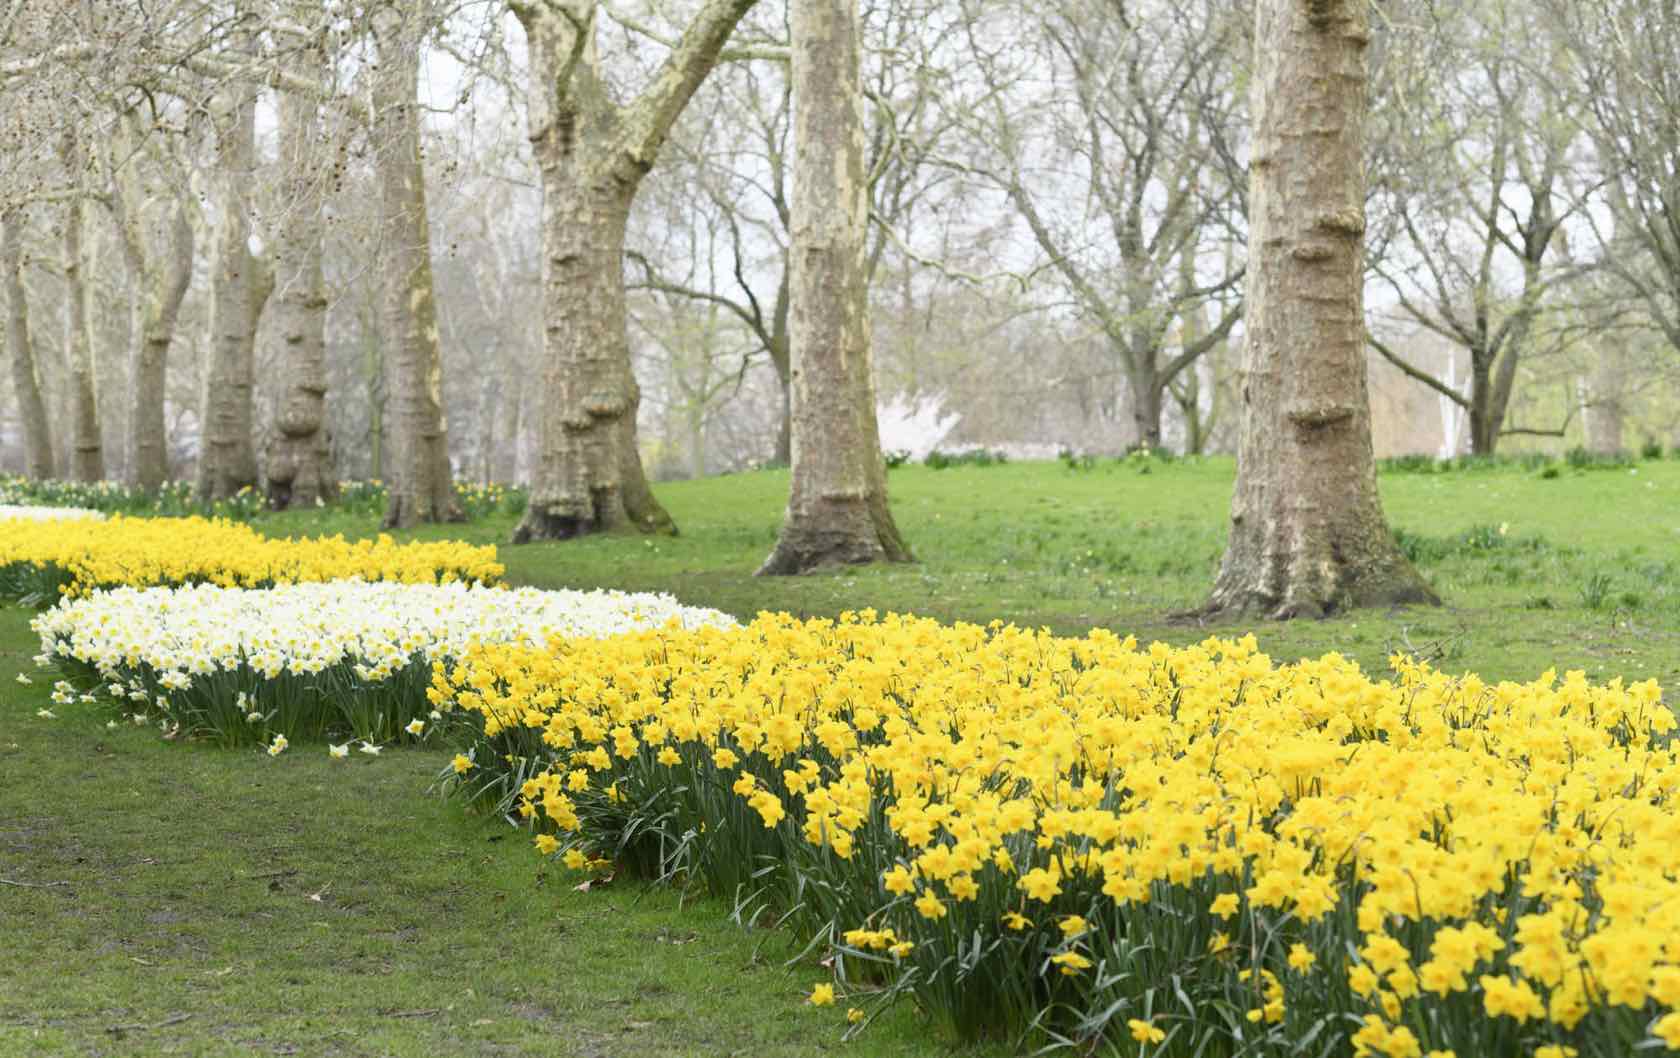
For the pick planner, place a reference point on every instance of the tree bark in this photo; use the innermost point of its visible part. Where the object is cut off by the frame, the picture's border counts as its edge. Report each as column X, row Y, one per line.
column 299, row 465
column 1604, row 407
column 593, row 153
column 837, row 510
column 26, row 381
column 420, row 482
column 158, row 284
column 239, row 286
column 1307, row 533
column 87, row 452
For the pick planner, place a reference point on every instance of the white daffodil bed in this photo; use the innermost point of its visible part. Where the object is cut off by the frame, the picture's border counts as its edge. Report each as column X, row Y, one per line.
column 347, row 658
column 13, row 513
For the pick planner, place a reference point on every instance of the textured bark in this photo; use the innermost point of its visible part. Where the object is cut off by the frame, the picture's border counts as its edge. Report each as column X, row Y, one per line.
column 1307, row 534
column 420, row 483
column 159, row 264
column 593, row 153
column 87, row 452
column 26, row 381
column 299, row 459
column 837, row 510
column 239, row 287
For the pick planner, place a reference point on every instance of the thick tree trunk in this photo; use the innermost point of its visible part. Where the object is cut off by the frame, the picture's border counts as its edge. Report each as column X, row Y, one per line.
column 837, row 509
column 1307, row 534
column 299, row 465
column 87, row 452
column 420, row 483
column 227, row 458
column 26, row 381
column 590, row 477
column 593, row 153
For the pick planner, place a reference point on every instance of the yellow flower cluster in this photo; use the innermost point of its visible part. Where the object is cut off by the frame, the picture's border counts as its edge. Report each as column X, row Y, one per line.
column 140, row 552
column 1414, row 845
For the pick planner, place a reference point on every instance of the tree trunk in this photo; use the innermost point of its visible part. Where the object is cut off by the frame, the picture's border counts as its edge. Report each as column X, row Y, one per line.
column 299, row 471
column 87, row 453
column 589, row 477
column 1603, row 409
column 227, row 458
column 26, row 381
column 593, row 153
column 157, row 287
column 837, row 508
column 1484, row 428
column 420, row 482
column 1307, row 533
column 1145, row 384
column 781, row 358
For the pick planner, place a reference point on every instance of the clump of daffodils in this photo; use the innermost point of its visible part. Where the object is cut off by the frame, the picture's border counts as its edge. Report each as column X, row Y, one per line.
column 1419, row 864
column 14, row 513
column 316, row 657
column 78, row 555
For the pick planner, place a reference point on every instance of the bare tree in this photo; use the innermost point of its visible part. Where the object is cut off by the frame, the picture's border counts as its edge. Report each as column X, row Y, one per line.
column 299, row 459
column 593, row 153
column 837, row 508
column 422, row 484
column 87, row 450
column 1307, row 531
column 1125, row 163
column 156, row 235
column 20, row 340
column 1480, row 184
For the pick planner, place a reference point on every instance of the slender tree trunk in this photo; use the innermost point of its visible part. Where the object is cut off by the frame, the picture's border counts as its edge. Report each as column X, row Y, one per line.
column 1307, row 531
column 1603, row 410
column 157, row 286
column 299, row 471
column 593, row 153
column 1145, row 384
column 26, row 381
column 421, row 484
column 87, row 453
column 227, row 458
column 781, row 358
column 837, row 507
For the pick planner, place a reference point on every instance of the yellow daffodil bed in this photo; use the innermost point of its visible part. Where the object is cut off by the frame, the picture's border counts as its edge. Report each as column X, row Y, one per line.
column 1182, row 851
column 40, row 560
column 1168, row 852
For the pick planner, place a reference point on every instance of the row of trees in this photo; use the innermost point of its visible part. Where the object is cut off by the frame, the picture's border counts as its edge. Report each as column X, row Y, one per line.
column 1061, row 168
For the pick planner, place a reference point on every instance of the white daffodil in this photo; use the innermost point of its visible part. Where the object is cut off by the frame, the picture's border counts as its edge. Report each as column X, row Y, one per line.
column 338, row 752
column 46, row 714
column 177, row 639
column 370, row 749
column 278, row 746
column 415, row 726
column 25, row 680
column 12, row 513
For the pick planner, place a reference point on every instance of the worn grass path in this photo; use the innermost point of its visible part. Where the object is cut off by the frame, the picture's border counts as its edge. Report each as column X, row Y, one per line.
column 178, row 899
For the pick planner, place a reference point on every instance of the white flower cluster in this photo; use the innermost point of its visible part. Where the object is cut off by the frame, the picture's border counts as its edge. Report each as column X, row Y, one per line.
column 12, row 512
column 377, row 628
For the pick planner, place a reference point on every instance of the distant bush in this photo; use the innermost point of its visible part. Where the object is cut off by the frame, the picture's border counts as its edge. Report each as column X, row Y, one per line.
column 1417, row 463
column 1581, row 459
column 978, row 457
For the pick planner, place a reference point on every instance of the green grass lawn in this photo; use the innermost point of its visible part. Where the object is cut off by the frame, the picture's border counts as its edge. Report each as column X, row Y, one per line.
column 158, row 898
column 1586, row 576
